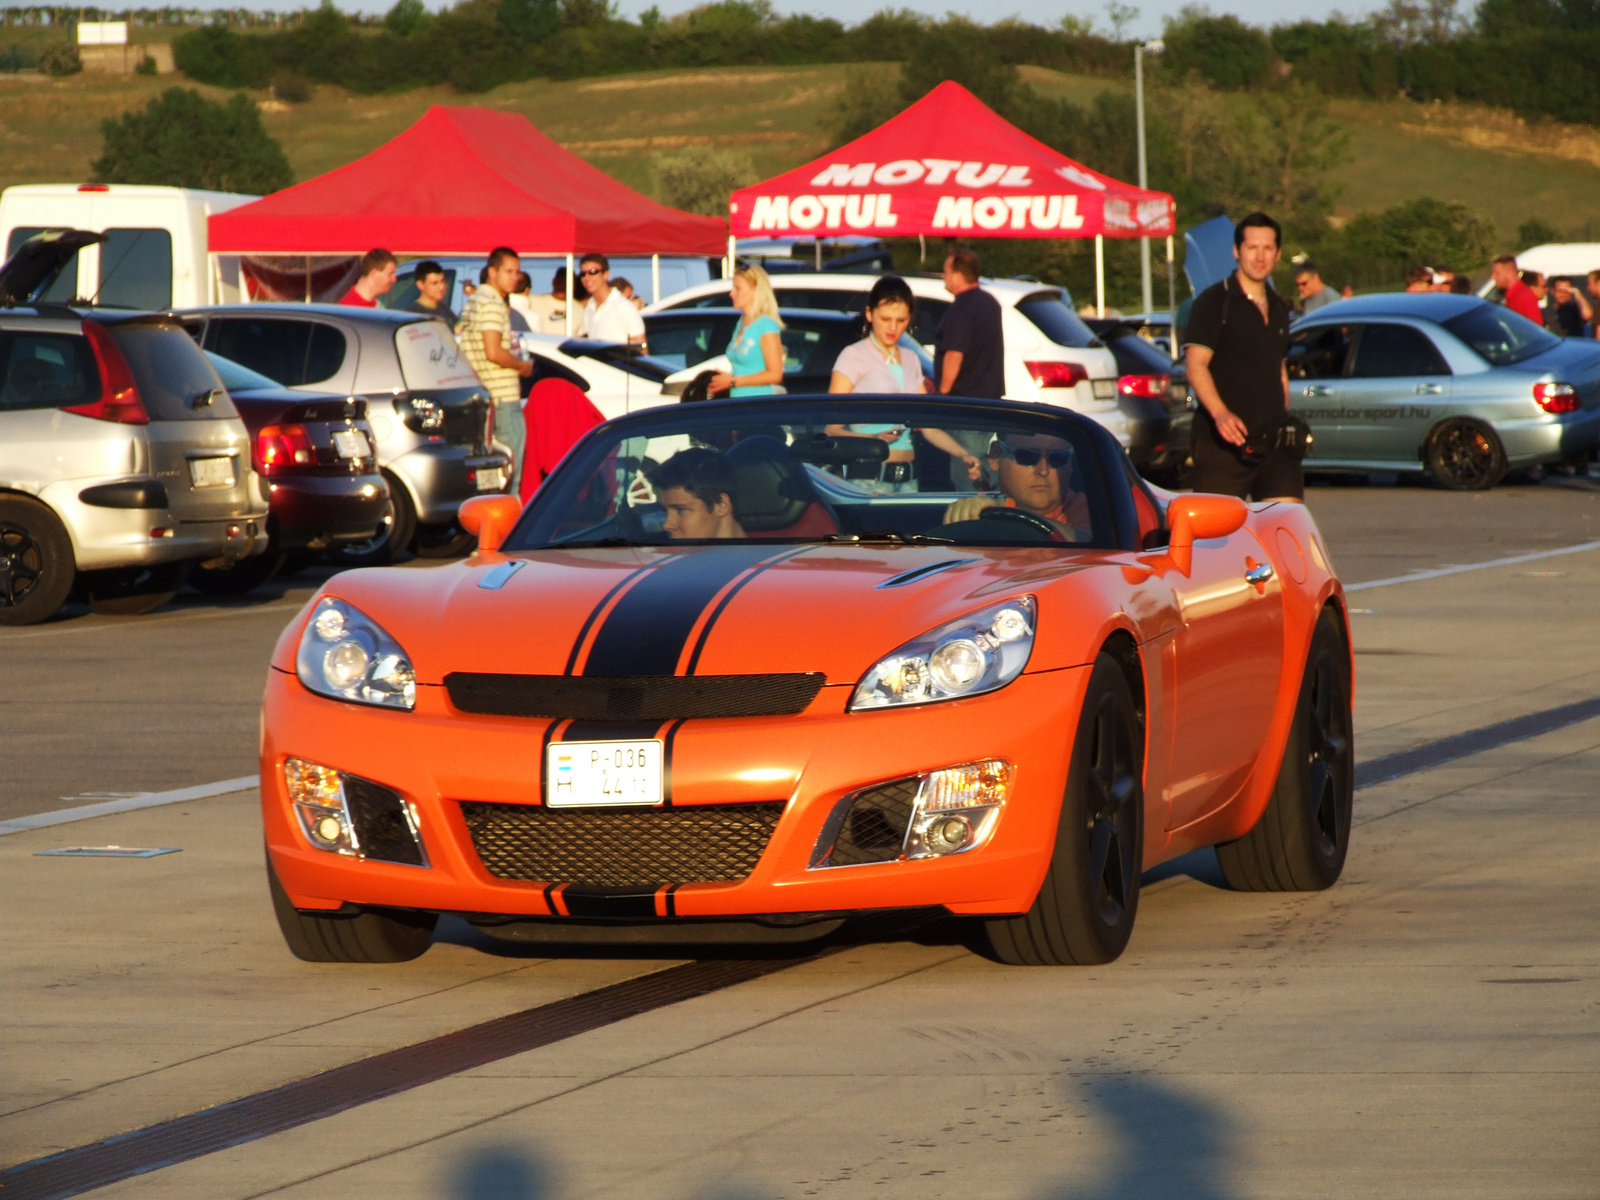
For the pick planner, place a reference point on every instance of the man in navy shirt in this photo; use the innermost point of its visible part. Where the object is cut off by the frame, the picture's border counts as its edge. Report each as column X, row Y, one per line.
column 969, row 351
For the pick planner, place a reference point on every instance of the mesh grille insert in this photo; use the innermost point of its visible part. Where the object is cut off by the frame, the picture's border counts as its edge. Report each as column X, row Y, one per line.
column 621, row 847
column 381, row 826
column 633, row 697
column 873, row 828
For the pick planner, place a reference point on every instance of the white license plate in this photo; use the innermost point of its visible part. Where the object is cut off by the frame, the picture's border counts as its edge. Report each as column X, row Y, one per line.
column 584, row 774
column 211, row 472
column 351, row 443
column 1104, row 389
column 492, row 479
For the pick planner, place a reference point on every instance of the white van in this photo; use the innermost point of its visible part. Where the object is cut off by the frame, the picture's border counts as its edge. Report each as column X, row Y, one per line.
column 155, row 253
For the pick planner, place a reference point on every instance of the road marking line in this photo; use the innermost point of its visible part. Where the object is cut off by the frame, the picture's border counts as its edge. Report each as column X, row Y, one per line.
column 63, row 816
column 1440, row 572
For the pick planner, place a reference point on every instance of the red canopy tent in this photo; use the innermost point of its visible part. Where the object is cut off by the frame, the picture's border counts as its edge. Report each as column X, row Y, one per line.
column 463, row 181
column 949, row 165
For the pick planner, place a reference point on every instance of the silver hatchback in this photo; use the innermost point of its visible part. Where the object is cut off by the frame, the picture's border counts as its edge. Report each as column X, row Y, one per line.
column 428, row 410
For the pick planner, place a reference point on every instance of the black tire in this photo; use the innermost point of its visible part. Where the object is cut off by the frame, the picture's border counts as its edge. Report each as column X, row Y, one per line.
column 1465, row 455
column 1303, row 836
column 1085, row 909
column 370, row 936
column 393, row 537
column 36, row 567
column 134, row 591
column 244, row 576
column 448, row 541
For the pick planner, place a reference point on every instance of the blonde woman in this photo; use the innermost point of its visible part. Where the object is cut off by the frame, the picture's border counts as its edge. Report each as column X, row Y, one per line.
column 756, row 352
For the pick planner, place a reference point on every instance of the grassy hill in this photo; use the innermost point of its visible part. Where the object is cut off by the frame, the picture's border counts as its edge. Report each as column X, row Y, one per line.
column 1502, row 168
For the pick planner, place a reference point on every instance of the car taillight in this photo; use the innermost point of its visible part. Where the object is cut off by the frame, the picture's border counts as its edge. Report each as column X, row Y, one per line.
column 1057, row 374
column 1556, row 397
column 1151, row 387
column 279, row 447
column 119, row 394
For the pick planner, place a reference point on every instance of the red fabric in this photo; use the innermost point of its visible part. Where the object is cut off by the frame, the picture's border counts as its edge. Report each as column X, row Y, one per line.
column 356, row 298
column 814, row 522
column 1520, row 299
column 556, row 415
column 948, row 166
column 463, row 181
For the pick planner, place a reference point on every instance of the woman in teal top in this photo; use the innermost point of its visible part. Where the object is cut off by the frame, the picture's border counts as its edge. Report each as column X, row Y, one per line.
column 755, row 355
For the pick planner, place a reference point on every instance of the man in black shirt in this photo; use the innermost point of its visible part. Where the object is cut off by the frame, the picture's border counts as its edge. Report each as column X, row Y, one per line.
column 969, row 351
column 1237, row 340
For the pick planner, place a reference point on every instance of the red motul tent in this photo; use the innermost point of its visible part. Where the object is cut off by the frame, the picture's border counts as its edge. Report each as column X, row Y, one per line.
column 463, row 181
column 949, row 166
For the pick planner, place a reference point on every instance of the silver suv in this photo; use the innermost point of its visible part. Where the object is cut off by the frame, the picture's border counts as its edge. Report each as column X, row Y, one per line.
column 428, row 409
column 122, row 460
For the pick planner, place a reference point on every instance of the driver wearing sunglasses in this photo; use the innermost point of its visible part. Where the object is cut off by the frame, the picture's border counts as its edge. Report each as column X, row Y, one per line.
column 1029, row 468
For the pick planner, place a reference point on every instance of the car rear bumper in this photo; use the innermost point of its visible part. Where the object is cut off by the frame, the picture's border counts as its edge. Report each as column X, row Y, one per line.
column 440, row 476
column 320, row 508
column 109, row 536
column 1549, row 438
column 439, row 760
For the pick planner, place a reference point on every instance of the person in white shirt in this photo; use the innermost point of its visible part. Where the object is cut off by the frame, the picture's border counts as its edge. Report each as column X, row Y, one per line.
column 608, row 317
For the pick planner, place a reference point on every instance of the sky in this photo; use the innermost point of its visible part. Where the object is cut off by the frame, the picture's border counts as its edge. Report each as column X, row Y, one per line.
column 1040, row 12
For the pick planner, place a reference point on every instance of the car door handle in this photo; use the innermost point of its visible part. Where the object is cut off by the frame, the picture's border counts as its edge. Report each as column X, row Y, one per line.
column 1430, row 389
column 1259, row 575
column 1313, row 389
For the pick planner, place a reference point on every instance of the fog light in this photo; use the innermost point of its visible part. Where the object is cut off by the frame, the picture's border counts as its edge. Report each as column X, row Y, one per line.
column 948, row 833
column 958, row 808
column 327, row 829
column 317, row 793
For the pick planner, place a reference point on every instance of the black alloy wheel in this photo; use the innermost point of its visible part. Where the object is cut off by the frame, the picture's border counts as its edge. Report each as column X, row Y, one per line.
column 1085, row 910
column 1301, row 841
column 1465, row 456
column 36, row 565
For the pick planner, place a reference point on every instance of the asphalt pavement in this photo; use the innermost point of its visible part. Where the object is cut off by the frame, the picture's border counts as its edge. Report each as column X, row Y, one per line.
column 1430, row 1026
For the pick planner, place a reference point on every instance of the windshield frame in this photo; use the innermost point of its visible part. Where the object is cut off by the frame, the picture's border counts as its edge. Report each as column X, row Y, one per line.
column 1113, row 515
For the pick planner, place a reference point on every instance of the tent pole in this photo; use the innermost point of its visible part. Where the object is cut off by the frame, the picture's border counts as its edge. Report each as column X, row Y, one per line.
column 655, row 278
column 572, row 291
column 1100, row 274
column 308, row 279
column 733, row 257
column 1172, row 301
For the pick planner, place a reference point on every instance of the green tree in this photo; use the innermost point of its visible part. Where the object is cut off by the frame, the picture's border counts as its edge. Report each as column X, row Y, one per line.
column 1223, row 51
column 406, row 18
column 699, row 179
column 1423, row 231
column 1536, row 232
column 182, row 139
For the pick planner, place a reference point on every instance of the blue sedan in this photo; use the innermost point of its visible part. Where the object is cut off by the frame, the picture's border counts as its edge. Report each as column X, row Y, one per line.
column 1453, row 385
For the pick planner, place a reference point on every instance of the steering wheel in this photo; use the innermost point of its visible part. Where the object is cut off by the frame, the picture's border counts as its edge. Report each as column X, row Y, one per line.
column 1022, row 516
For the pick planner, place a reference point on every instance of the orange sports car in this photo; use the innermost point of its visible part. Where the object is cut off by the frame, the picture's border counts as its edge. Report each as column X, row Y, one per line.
column 773, row 662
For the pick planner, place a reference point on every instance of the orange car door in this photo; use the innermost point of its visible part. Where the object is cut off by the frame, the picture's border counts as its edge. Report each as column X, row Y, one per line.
column 1229, row 655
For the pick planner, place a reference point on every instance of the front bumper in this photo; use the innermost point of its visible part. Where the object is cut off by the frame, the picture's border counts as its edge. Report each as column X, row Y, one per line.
column 438, row 758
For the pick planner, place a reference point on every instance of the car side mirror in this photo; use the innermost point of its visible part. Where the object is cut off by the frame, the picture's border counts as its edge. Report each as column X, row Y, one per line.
column 491, row 518
column 1198, row 516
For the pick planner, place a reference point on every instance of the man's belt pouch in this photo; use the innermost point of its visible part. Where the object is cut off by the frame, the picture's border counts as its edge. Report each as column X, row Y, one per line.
column 1288, row 433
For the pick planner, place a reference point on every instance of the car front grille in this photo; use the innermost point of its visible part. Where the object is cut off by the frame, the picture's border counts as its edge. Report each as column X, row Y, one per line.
column 871, row 828
column 633, row 697
column 381, row 828
column 621, row 847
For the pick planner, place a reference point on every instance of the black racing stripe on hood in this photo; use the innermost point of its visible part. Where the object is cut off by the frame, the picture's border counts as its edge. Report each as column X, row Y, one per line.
column 577, row 642
column 646, row 631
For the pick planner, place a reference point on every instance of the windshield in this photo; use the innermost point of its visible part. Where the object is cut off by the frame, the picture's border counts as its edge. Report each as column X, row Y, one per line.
column 240, row 379
column 430, row 359
column 829, row 468
column 1500, row 335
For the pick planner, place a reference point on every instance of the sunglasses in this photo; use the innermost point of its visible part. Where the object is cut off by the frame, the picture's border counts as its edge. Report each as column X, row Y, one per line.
column 1024, row 457
column 593, row 271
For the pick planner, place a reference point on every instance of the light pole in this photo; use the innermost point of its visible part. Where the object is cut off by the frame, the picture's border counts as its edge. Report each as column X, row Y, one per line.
column 1139, row 51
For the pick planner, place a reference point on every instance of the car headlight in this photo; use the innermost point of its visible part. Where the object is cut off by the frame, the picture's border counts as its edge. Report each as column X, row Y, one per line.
column 973, row 654
column 347, row 655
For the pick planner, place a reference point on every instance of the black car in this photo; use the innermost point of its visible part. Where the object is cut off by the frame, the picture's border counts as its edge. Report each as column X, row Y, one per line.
column 1153, row 393
column 812, row 340
column 318, row 458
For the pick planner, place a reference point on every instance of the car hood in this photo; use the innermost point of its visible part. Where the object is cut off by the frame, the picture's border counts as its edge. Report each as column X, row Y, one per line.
column 729, row 609
column 39, row 260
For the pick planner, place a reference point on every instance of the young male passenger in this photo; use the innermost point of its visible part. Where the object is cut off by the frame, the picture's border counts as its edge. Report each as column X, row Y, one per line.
column 1029, row 468
column 695, row 487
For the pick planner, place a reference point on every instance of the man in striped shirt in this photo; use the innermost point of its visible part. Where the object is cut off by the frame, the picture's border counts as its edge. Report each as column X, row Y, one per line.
column 484, row 332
